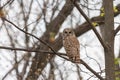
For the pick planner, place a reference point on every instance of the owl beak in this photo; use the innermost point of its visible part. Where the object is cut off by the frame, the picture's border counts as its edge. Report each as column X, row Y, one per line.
column 67, row 34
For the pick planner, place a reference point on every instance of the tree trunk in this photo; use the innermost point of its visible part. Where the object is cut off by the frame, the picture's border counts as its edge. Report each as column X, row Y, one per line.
column 109, row 39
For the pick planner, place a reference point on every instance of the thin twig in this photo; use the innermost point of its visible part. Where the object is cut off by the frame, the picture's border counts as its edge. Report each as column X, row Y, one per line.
column 31, row 50
column 8, row 2
column 15, row 66
column 89, row 68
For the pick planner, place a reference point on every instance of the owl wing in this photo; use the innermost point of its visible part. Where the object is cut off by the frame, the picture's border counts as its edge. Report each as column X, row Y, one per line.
column 73, row 49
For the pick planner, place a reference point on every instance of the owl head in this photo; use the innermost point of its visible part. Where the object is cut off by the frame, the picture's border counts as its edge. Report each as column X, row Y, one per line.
column 68, row 32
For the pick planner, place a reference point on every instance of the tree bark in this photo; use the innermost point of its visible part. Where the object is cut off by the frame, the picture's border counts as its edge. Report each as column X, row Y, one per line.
column 109, row 39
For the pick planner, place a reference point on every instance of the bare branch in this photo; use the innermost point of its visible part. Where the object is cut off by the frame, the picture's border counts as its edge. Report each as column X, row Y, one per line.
column 31, row 50
column 88, row 20
column 117, row 30
column 30, row 34
column 89, row 68
column 14, row 67
column 8, row 2
column 59, row 54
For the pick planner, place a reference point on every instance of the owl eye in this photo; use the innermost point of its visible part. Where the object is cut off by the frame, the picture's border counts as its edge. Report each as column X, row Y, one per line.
column 65, row 32
column 70, row 32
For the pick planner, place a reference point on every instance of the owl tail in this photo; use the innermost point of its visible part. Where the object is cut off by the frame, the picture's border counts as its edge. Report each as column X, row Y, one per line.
column 76, row 59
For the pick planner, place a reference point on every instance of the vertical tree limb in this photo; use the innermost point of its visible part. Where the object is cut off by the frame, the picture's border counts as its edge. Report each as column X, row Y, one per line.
column 109, row 40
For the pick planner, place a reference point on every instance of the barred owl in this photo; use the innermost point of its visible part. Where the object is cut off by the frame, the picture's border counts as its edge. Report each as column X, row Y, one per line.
column 71, row 45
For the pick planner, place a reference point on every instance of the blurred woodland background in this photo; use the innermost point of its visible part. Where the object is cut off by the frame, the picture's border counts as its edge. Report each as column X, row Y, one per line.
column 31, row 43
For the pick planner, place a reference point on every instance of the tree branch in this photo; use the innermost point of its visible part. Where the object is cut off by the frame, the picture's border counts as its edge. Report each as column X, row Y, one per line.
column 31, row 50
column 89, row 68
column 88, row 20
column 30, row 35
column 117, row 30
column 58, row 54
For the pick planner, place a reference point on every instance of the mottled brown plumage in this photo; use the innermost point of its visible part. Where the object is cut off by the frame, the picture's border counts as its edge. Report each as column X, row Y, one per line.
column 71, row 45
